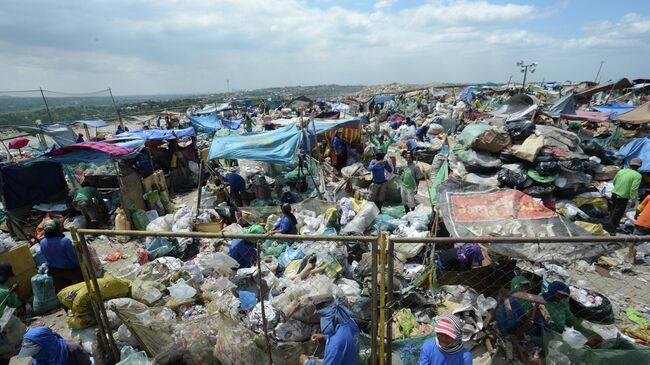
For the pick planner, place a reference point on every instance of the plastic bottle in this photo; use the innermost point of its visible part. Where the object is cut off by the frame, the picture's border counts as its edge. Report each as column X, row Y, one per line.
column 122, row 224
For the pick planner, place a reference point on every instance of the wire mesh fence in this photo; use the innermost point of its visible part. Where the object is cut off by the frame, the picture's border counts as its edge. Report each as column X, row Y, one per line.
column 395, row 288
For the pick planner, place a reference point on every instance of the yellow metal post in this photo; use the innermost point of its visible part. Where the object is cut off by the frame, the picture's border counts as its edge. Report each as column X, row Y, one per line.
column 382, row 300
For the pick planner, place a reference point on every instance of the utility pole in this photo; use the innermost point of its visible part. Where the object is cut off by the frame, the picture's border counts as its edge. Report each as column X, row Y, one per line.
column 598, row 73
column 46, row 106
column 117, row 110
column 524, row 70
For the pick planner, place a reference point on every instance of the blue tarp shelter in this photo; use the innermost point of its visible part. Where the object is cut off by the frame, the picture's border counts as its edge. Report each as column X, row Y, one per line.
column 638, row 147
column 614, row 107
column 326, row 125
column 210, row 123
column 278, row 146
column 159, row 134
column 382, row 99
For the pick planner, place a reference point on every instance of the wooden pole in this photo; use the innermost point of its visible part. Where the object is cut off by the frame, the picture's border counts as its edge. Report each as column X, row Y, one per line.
column 117, row 110
column 389, row 306
column 373, row 293
column 198, row 194
column 382, row 301
column 47, row 107
column 260, row 281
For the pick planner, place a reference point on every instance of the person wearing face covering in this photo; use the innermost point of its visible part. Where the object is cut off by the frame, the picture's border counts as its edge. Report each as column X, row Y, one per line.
column 511, row 311
column 341, row 336
column 556, row 315
column 447, row 348
column 47, row 347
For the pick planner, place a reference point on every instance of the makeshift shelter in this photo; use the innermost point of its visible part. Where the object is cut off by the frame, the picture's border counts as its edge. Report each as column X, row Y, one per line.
column 278, row 146
column 639, row 115
column 96, row 123
column 615, row 108
column 517, row 107
column 350, row 128
column 638, row 147
column 26, row 185
column 605, row 87
column 599, row 117
column 566, row 105
column 60, row 133
column 300, row 102
column 210, row 123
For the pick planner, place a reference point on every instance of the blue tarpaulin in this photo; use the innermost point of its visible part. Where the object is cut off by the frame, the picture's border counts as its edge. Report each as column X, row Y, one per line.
column 382, row 99
column 97, row 123
column 614, row 107
column 209, row 123
column 638, row 147
column 159, row 134
column 278, row 146
column 326, row 125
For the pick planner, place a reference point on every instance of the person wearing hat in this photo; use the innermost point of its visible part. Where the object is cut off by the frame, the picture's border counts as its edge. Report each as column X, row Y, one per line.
column 47, row 347
column 626, row 189
column 288, row 197
column 288, row 223
column 447, row 347
column 244, row 251
column 340, row 333
column 555, row 314
column 378, row 167
column 14, row 329
column 60, row 256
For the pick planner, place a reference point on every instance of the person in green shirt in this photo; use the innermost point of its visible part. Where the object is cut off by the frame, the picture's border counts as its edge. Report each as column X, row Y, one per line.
column 249, row 123
column 556, row 315
column 89, row 203
column 410, row 175
column 381, row 143
column 14, row 329
column 626, row 189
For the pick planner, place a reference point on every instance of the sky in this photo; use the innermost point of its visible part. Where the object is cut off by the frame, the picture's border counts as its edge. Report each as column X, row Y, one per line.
column 194, row 46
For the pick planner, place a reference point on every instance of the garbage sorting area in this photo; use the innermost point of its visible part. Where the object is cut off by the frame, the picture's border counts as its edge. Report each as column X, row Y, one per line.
column 185, row 265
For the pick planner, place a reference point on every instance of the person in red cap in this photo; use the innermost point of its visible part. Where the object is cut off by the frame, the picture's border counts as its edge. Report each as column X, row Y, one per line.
column 447, row 348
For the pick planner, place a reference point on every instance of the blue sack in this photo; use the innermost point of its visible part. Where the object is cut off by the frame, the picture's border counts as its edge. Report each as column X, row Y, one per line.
column 289, row 255
column 247, row 300
column 44, row 293
column 159, row 247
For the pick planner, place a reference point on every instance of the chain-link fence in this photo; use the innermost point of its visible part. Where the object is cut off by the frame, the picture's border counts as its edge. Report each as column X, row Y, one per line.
column 395, row 288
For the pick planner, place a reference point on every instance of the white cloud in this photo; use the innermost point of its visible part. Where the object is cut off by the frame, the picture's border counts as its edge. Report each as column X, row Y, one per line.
column 165, row 46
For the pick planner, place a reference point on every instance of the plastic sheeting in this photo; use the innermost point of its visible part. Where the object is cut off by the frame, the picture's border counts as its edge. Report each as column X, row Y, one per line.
column 638, row 147
column 472, row 211
column 159, row 134
column 209, row 123
column 278, row 146
column 97, row 123
column 614, row 107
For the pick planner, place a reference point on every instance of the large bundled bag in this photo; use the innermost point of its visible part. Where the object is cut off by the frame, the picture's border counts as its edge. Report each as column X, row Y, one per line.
column 237, row 345
column 77, row 298
column 44, row 293
column 530, row 148
column 195, row 339
column 299, row 301
column 148, row 292
column 492, row 140
column 471, row 132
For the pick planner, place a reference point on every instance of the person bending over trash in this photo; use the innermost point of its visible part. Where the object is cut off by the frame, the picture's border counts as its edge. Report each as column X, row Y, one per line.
column 555, row 314
column 60, row 256
column 378, row 167
column 447, row 347
column 626, row 189
column 341, row 336
column 288, row 222
column 47, row 347
column 244, row 251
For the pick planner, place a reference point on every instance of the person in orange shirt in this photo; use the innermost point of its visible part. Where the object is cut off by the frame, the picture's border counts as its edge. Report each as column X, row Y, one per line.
column 641, row 226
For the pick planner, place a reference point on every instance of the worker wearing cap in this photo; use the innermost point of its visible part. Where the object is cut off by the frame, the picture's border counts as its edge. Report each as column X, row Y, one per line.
column 626, row 189
column 288, row 197
column 60, row 256
column 14, row 329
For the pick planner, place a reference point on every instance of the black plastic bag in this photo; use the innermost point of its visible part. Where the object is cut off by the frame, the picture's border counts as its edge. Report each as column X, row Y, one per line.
column 520, row 130
column 547, row 168
column 539, row 191
column 512, row 179
column 602, row 314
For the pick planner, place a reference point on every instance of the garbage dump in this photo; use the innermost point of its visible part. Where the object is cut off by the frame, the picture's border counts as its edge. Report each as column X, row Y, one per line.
column 308, row 230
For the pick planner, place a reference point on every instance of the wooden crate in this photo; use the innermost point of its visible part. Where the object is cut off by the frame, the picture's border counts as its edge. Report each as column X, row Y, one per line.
column 20, row 258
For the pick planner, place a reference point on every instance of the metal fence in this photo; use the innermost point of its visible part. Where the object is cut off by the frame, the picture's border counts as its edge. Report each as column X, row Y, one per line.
column 492, row 280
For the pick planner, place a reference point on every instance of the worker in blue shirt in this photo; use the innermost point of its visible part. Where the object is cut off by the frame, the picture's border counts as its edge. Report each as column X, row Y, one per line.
column 288, row 197
column 237, row 185
column 447, row 347
column 60, row 256
column 341, row 336
column 378, row 167
column 339, row 155
column 288, row 222
column 244, row 251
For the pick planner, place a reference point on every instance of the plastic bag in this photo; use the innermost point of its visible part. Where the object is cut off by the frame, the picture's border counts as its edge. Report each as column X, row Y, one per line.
column 491, row 140
column 298, row 301
column 362, row 220
column 219, row 262
column 420, row 217
column 289, row 255
column 182, row 291
column 138, row 218
column 195, row 338
column 293, row 330
column 160, row 224
column 138, row 358
column 148, row 292
column 237, row 345
column 512, row 179
column 573, row 338
column 159, row 247
column 154, row 203
column 78, row 222
column 44, row 293
column 520, row 130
